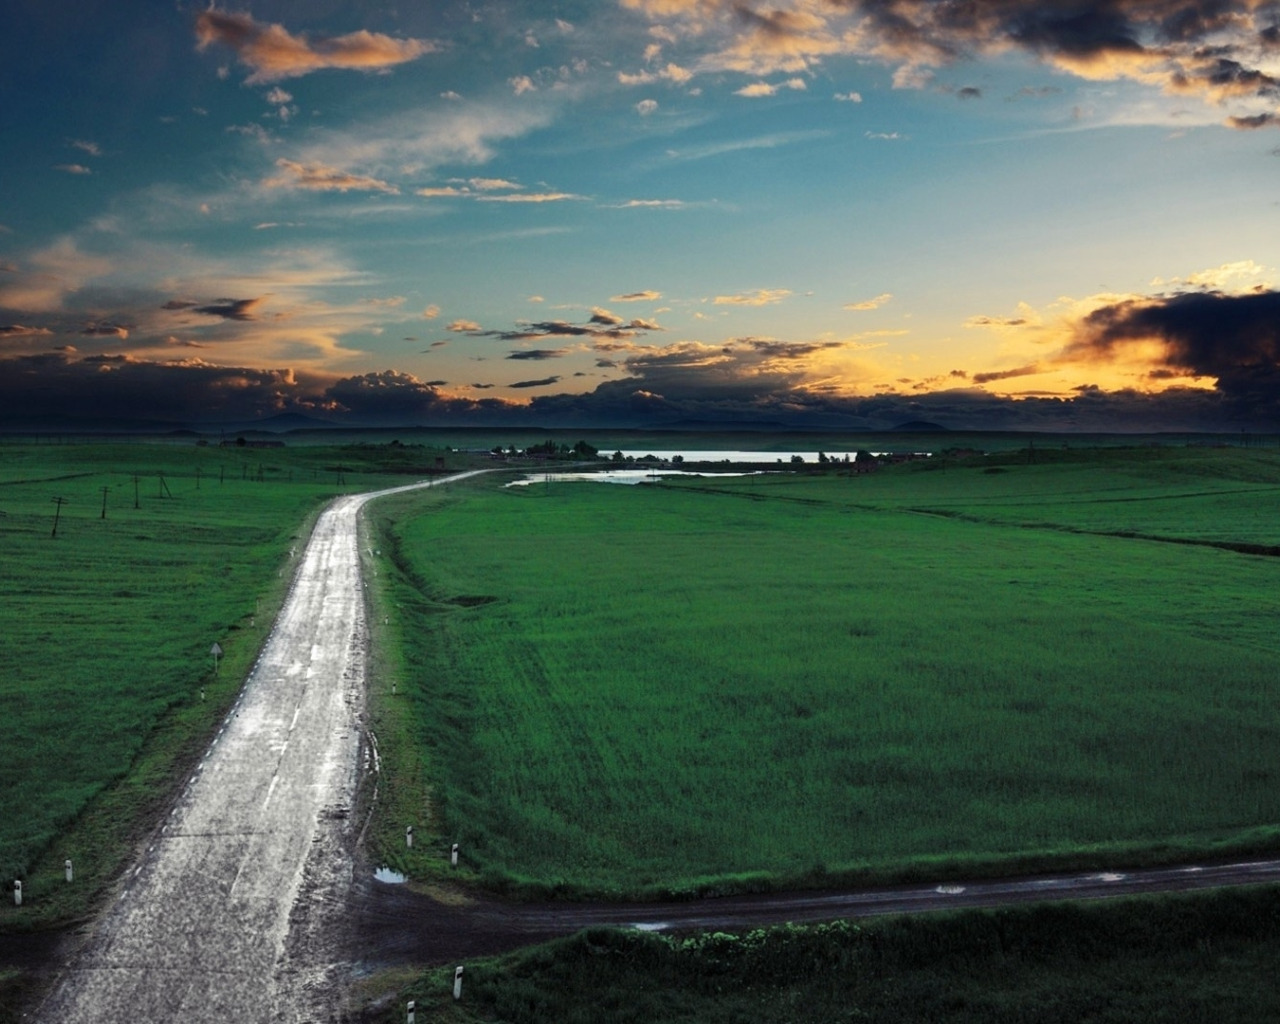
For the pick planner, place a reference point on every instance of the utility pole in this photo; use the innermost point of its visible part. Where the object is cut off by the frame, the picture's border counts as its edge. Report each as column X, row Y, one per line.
column 56, row 514
column 104, row 502
column 135, row 490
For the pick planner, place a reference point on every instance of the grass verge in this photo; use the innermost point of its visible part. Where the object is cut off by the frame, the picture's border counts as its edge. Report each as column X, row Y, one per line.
column 1203, row 957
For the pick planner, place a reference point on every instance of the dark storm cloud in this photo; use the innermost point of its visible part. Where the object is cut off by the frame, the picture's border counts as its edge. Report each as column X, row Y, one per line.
column 544, row 382
column 1021, row 371
column 179, row 304
column 127, row 388
column 788, row 349
column 22, row 331
column 538, row 353
column 1212, row 48
column 656, row 392
column 602, row 324
column 391, row 397
column 106, row 331
column 1253, row 122
column 637, row 403
column 232, row 309
column 969, row 92
column 542, row 329
column 1234, row 338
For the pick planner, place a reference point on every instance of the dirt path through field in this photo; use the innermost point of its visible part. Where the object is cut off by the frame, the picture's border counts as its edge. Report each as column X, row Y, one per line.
column 236, row 911
column 396, row 925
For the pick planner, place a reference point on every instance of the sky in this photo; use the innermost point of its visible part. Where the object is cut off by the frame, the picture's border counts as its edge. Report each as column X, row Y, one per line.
column 829, row 214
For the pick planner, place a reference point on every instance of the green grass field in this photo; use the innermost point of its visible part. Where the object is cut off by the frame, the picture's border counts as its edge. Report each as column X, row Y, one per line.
column 778, row 680
column 105, row 630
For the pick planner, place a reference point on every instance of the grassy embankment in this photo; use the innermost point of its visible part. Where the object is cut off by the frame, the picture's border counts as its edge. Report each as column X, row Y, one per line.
column 1206, row 958
column 752, row 682
column 105, row 631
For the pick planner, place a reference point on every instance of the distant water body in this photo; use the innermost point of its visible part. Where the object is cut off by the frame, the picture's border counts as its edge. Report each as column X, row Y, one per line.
column 638, row 474
column 722, row 456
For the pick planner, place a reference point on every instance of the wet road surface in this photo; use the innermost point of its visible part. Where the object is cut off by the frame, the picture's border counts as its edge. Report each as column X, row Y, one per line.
column 232, row 912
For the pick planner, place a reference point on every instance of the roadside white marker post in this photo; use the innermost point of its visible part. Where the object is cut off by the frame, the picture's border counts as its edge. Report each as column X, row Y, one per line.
column 408, row 836
column 409, row 1017
column 453, row 856
column 216, row 651
column 17, row 896
column 457, row 983
column 202, row 693
column 67, row 864
column 393, row 689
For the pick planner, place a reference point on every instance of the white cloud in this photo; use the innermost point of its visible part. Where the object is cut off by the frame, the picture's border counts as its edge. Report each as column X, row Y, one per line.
column 646, row 107
column 401, row 145
column 911, row 76
column 1239, row 276
column 756, row 89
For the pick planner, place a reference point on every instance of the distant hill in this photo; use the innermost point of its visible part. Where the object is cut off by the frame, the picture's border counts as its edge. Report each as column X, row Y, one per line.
column 920, row 427
column 280, row 424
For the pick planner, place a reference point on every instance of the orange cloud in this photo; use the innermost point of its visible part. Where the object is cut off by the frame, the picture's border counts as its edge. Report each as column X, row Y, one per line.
column 759, row 297
column 273, row 53
column 875, row 303
column 319, row 178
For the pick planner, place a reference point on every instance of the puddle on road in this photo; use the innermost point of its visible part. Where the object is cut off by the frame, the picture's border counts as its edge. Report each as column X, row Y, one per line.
column 385, row 874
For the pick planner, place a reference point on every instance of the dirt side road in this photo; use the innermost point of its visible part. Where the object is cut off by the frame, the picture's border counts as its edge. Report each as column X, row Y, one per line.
column 234, row 912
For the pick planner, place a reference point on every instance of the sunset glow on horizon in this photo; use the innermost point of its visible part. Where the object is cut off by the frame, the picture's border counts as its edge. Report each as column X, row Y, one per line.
column 823, row 213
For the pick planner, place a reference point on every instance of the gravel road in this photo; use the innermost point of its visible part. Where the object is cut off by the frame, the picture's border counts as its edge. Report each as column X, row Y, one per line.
column 234, row 913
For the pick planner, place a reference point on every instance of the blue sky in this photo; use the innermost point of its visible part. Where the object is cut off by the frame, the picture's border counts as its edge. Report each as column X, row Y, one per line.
column 841, row 213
